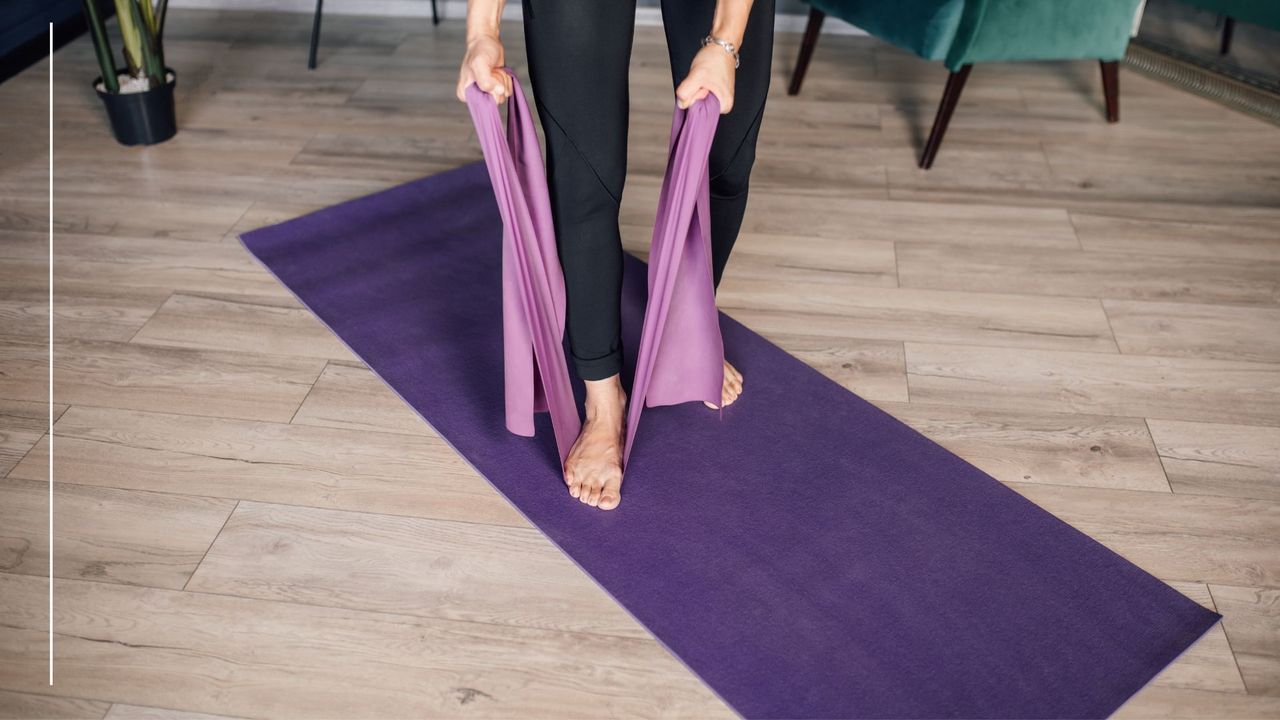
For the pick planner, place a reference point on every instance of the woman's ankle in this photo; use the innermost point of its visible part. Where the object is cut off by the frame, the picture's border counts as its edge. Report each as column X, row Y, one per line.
column 605, row 397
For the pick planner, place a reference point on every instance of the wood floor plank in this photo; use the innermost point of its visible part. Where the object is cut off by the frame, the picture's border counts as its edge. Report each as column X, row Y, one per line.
column 872, row 369
column 1252, row 621
column 270, row 462
column 1096, row 383
column 209, row 267
column 411, row 566
column 1209, row 459
column 851, row 311
column 22, row 424
column 1225, row 236
column 1156, row 701
column 237, row 656
column 1208, row 664
column 199, row 382
column 196, row 149
column 25, row 219
column 808, row 260
column 1022, row 179
column 382, row 152
column 236, row 187
column 1083, row 274
column 262, row 214
column 26, row 369
column 854, row 219
column 87, row 310
column 350, row 118
column 777, row 212
column 242, row 323
column 1194, row 330
column 860, row 172
column 353, row 397
column 153, row 539
column 1195, row 538
column 120, row 711
column 30, row 706
column 1116, row 168
column 1057, row 449
column 191, row 218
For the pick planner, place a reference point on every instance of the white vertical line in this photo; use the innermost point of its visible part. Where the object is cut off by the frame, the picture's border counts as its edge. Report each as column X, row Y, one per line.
column 50, row 353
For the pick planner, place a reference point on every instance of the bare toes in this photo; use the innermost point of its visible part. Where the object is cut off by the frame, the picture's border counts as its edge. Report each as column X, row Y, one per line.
column 612, row 493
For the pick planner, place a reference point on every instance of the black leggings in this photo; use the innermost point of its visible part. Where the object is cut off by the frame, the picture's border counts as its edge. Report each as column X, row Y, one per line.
column 579, row 53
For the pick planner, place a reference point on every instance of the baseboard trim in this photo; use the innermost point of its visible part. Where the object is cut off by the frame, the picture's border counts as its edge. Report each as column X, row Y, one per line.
column 1239, row 93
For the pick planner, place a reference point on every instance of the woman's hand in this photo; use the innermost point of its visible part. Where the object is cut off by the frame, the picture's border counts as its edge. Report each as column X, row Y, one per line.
column 712, row 72
column 483, row 65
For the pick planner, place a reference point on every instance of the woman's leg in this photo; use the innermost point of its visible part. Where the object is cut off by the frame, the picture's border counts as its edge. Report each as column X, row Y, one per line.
column 734, row 149
column 579, row 51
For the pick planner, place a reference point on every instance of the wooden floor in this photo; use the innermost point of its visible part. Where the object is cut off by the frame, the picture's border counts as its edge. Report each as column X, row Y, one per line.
column 249, row 524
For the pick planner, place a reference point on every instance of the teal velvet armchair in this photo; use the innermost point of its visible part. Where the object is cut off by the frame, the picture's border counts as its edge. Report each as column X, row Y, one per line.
column 963, row 32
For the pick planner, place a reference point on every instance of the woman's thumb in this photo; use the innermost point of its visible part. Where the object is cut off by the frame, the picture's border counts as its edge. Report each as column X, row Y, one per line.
column 686, row 93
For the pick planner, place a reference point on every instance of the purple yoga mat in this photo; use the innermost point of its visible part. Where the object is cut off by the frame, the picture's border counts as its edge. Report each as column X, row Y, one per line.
column 806, row 554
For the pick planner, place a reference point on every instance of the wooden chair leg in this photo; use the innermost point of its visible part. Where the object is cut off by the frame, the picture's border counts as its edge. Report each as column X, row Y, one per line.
column 811, row 30
column 315, row 36
column 435, row 13
column 1111, row 88
column 950, row 96
column 1228, row 29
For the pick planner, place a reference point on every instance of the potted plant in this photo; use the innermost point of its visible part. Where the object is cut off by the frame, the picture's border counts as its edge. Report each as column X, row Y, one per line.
column 139, row 97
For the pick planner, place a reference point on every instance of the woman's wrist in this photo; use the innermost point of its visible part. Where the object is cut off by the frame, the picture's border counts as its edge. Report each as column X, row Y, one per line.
column 730, row 20
column 484, row 20
column 730, row 49
column 483, row 32
column 728, row 35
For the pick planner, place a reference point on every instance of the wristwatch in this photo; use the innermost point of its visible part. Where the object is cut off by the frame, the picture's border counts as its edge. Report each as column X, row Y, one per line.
column 728, row 47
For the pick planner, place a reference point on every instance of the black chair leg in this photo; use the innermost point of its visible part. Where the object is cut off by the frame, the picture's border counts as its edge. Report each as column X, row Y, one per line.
column 435, row 13
column 315, row 36
column 1228, row 29
column 950, row 96
column 811, row 30
column 1111, row 88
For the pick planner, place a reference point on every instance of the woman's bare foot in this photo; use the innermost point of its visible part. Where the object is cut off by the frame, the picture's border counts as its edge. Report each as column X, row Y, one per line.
column 732, row 386
column 593, row 470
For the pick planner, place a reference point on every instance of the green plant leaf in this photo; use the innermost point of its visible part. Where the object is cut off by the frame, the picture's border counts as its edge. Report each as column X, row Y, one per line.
column 102, row 46
column 131, row 35
column 148, row 16
column 162, row 11
column 151, row 66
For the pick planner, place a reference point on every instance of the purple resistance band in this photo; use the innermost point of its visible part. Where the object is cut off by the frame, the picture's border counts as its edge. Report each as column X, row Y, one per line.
column 533, row 296
column 681, row 355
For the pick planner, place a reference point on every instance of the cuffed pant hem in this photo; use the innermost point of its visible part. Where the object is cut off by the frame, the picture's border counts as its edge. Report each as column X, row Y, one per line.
column 599, row 368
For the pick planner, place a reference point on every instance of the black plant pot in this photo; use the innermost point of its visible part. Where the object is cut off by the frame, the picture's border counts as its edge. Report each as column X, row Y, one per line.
column 144, row 118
